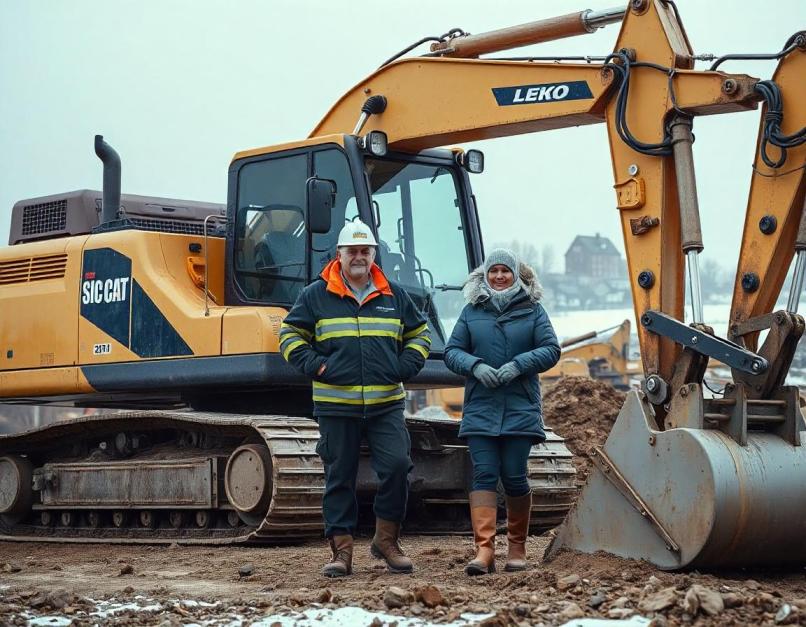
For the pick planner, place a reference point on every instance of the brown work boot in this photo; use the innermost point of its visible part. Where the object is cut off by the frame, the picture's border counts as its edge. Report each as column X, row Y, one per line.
column 519, row 509
column 483, row 506
column 342, row 563
column 385, row 546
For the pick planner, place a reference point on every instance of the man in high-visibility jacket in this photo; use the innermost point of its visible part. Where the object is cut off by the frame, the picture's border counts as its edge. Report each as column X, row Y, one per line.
column 359, row 337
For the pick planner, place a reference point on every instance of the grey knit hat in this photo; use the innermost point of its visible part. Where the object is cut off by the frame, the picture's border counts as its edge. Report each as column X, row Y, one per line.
column 502, row 256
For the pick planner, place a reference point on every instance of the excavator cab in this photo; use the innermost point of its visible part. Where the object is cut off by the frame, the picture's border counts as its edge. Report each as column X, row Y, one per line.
column 287, row 206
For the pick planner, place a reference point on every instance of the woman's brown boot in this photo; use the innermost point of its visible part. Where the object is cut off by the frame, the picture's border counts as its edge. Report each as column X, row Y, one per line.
column 482, row 514
column 519, row 509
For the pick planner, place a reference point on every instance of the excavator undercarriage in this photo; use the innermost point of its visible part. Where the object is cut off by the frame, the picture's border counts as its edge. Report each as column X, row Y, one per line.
column 201, row 478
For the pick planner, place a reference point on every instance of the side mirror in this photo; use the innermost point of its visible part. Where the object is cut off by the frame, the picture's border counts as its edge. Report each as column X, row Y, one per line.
column 320, row 196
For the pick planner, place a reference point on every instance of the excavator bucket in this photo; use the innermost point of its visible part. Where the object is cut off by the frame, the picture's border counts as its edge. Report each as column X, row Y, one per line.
column 727, row 488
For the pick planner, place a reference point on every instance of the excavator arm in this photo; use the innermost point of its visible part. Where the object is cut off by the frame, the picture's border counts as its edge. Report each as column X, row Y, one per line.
column 774, row 230
column 437, row 101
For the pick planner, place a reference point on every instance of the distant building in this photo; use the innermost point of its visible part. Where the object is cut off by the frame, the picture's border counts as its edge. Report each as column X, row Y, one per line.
column 595, row 277
column 593, row 256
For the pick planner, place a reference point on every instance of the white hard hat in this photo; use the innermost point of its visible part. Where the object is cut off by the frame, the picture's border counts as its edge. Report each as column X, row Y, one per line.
column 356, row 233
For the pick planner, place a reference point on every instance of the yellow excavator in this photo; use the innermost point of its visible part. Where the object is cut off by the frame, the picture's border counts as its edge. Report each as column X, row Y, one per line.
column 603, row 355
column 171, row 310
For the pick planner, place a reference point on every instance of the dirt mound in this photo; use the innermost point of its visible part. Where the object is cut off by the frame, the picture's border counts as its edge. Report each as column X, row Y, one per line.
column 582, row 410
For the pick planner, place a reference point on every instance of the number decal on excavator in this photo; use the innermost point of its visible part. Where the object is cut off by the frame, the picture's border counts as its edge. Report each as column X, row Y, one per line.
column 547, row 92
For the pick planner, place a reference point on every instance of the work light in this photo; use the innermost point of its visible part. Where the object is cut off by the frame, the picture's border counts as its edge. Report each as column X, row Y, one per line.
column 375, row 142
column 474, row 161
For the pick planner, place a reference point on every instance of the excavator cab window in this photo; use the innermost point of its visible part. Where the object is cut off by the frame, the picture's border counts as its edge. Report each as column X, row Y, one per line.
column 269, row 229
column 422, row 235
column 271, row 240
column 276, row 236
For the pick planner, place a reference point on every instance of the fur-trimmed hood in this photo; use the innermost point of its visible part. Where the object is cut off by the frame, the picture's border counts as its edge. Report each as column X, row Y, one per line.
column 475, row 290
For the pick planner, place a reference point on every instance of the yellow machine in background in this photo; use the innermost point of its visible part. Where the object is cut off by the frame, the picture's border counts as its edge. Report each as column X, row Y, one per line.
column 603, row 355
column 162, row 307
column 448, row 401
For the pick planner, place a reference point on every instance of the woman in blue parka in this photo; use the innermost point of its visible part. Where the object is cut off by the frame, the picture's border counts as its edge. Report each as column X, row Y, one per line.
column 502, row 340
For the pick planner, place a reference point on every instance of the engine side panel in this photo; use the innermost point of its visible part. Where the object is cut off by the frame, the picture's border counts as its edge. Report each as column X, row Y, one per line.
column 38, row 315
column 131, row 293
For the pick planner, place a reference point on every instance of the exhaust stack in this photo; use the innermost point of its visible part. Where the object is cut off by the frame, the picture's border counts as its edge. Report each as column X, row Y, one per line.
column 111, row 190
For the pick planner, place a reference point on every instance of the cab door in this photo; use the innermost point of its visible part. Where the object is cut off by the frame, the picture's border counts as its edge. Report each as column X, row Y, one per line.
column 270, row 258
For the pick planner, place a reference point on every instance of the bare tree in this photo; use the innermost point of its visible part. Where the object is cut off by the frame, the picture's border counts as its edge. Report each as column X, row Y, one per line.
column 713, row 278
column 527, row 252
column 547, row 258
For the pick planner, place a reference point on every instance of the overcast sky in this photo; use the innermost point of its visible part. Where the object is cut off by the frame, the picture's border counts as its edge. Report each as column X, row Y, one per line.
column 177, row 87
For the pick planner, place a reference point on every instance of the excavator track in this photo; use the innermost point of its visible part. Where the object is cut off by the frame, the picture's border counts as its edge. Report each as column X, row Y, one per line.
column 294, row 480
column 552, row 476
column 207, row 478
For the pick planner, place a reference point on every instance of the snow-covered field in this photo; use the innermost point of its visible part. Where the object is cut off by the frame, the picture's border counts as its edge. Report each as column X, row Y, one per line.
column 573, row 323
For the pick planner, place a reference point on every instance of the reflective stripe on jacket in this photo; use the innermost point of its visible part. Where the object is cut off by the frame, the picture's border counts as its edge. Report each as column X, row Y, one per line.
column 368, row 349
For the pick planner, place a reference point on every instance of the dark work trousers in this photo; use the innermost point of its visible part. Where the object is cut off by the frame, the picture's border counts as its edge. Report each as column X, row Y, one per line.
column 339, row 447
column 503, row 457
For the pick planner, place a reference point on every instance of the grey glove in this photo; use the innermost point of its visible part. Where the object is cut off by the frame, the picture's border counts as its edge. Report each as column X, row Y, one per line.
column 507, row 373
column 487, row 375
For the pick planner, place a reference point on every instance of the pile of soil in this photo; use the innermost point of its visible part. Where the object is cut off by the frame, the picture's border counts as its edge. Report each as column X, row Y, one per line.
column 582, row 410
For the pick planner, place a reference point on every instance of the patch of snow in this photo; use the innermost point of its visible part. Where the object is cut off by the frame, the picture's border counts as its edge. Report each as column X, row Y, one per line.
column 49, row 621
column 314, row 617
column 632, row 621
column 350, row 616
column 192, row 603
column 104, row 609
column 432, row 411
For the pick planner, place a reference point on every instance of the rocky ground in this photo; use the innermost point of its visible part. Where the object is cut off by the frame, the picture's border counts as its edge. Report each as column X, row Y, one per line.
column 180, row 585
column 157, row 585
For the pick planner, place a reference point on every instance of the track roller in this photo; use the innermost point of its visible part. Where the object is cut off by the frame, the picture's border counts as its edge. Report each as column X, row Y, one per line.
column 16, row 493
column 177, row 519
column 202, row 519
column 148, row 519
column 120, row 518
column 247, row 481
